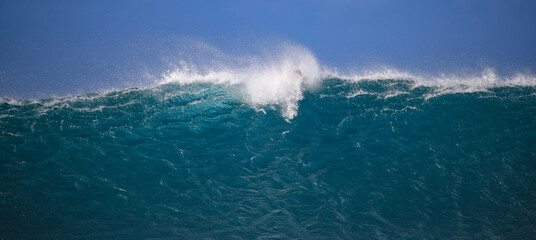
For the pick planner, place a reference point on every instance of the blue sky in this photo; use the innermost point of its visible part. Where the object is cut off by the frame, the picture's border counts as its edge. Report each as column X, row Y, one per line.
column 65, row 47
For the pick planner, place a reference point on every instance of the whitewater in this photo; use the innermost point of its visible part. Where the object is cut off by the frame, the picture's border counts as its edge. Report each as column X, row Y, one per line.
column 275, row 146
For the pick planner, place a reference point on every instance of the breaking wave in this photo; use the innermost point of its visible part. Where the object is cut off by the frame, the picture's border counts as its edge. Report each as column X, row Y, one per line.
column 274, row 146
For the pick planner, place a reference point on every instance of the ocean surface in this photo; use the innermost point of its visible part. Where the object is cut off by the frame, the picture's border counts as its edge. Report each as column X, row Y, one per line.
column 274, row 154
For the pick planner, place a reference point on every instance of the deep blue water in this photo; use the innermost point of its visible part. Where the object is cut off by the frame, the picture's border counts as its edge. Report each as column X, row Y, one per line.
column 380, row 159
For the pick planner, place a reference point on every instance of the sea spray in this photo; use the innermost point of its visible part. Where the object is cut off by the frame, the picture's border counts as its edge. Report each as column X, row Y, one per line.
column 278, row 79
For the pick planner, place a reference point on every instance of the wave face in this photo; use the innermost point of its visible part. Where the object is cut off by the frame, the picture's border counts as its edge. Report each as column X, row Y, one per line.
column 205, row 159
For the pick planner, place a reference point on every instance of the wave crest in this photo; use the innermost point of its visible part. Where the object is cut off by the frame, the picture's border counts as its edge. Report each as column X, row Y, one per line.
column 276, row 79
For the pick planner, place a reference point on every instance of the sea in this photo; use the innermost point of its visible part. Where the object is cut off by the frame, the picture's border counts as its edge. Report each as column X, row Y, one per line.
column 279, row 148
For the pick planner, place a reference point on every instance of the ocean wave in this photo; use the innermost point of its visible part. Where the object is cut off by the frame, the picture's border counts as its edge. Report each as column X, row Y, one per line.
column 204, row 155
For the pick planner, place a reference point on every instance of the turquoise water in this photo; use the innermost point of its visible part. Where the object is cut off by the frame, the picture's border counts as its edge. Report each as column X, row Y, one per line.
column 370, row 159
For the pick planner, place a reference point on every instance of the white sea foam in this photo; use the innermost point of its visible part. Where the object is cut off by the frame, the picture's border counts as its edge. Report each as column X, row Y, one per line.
column 377, row 73
column 480, row 80
column 279, row 78
column 442, row 83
